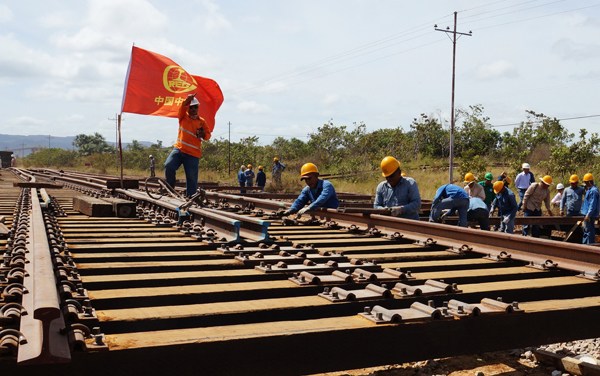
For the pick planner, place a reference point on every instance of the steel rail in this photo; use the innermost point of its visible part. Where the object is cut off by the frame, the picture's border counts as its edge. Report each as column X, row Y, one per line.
column 225, row 227
column 539, row 252
column 243, row 200
column 43, row 329
column 251, row 228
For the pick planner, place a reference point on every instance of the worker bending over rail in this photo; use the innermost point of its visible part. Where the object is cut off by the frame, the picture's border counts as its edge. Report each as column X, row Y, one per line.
column 399, row 193
column 318, row 193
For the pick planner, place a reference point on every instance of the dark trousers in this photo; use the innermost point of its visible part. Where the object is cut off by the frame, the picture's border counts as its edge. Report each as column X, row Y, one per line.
column 481, row 216
column 535, row 229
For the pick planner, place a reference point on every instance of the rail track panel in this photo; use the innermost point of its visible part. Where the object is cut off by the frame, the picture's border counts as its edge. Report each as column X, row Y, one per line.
column 319, row 298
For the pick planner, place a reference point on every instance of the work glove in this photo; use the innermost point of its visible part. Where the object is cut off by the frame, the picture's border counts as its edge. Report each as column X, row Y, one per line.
column 396, row 211
column 286, row 213
column 303, row 210
column 200, row 133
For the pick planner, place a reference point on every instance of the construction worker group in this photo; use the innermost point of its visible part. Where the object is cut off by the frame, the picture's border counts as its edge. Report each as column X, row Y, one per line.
column 474, row 202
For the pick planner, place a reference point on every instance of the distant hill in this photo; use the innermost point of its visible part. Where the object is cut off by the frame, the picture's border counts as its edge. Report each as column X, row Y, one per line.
column 25, row 145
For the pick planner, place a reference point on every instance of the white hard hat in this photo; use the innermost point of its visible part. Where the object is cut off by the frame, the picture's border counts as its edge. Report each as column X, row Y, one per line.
column 525, row 165
column 560, row 186
column 194, row 102
column 151, row 156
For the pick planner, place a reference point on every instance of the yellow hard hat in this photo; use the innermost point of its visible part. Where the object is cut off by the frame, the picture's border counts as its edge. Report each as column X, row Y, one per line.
column 588, row 177
column 403, row 174
column 546, row 179
column 307, row 169
column 574, row 179
column 275, row 159
column 469, row 177
column 498, row 186
column 389, row 165
column 249, row 166
column 260, row 167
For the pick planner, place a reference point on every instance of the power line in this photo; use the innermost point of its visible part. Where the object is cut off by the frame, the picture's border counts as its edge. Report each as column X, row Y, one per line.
column 569, row 118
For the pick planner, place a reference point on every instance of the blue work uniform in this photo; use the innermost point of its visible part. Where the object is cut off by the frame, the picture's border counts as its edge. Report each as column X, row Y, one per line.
column 479, row 212
column 507, row 206
column 323, row 196
column 404, row 194
column 451, row 197
column 571, row 200
column 590, row 209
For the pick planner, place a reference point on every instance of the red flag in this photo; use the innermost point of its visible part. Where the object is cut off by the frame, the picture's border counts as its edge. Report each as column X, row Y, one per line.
column 156, row 85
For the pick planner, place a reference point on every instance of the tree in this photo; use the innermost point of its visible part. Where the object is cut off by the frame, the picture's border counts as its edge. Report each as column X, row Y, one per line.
column 429, row 139
column 91, row 144
column 475, row 137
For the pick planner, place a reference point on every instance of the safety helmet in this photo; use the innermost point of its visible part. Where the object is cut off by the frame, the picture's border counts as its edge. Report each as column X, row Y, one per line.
column 151, row 156
column 389, row 165
column 275, row 159
column 249, row 166
column 307, row 169
column 489, row 176
column 469, row 177
column 260, row 168
column 498, row 186
column 194, row 102
column 560, row 186
column 546, row 179
column 588, row 177
column 525, row 165
column 403, row 174
column 574, row 179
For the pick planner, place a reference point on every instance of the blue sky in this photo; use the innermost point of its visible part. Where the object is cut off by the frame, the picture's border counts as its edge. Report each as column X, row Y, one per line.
column 287, row 67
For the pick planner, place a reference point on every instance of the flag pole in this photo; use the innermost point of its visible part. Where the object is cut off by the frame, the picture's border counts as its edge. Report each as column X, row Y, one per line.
column 120, row 148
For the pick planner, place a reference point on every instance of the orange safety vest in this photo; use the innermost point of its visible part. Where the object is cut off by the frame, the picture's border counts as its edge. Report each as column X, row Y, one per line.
column 187, row 141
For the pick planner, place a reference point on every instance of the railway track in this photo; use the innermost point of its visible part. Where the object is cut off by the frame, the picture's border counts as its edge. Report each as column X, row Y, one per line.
column 238, row 291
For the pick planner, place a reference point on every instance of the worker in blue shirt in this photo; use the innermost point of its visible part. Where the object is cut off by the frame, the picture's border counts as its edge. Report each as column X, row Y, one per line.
column 570, row 203
column 452, row 197
column 242, row 178
column 507, row 206
column 318, row 193
column 398, row 193
column 479, row 212
column 590, row 209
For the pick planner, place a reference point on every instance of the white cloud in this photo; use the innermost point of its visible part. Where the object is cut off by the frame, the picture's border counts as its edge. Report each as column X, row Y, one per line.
column 214, row 21
column 569, row 49
column 253, row 107
column 5, row 13
column 497, row 69
column 330, row 99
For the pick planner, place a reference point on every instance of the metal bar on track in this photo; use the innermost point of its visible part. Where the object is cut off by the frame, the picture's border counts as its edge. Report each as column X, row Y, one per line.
column 42, row 327
column 224, row 226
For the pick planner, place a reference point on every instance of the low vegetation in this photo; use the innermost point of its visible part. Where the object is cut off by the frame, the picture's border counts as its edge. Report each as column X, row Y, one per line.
column 352, row 154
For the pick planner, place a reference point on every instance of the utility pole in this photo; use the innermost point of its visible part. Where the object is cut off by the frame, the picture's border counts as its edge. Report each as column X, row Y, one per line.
column 229, row 150
column 116, row 120
column 454, row 38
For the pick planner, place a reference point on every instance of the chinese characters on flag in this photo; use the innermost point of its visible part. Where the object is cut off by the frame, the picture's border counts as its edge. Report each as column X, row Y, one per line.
column 156, row 85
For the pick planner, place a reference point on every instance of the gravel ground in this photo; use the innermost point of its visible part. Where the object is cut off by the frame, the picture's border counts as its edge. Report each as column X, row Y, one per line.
column 507, row 363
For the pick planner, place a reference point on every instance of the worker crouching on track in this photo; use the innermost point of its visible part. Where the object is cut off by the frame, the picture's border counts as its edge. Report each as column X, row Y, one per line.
column 318, row 193
column 532, row 203
column 506, row 203
column 399, row 193
column 453, row 197
column 590, row 209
